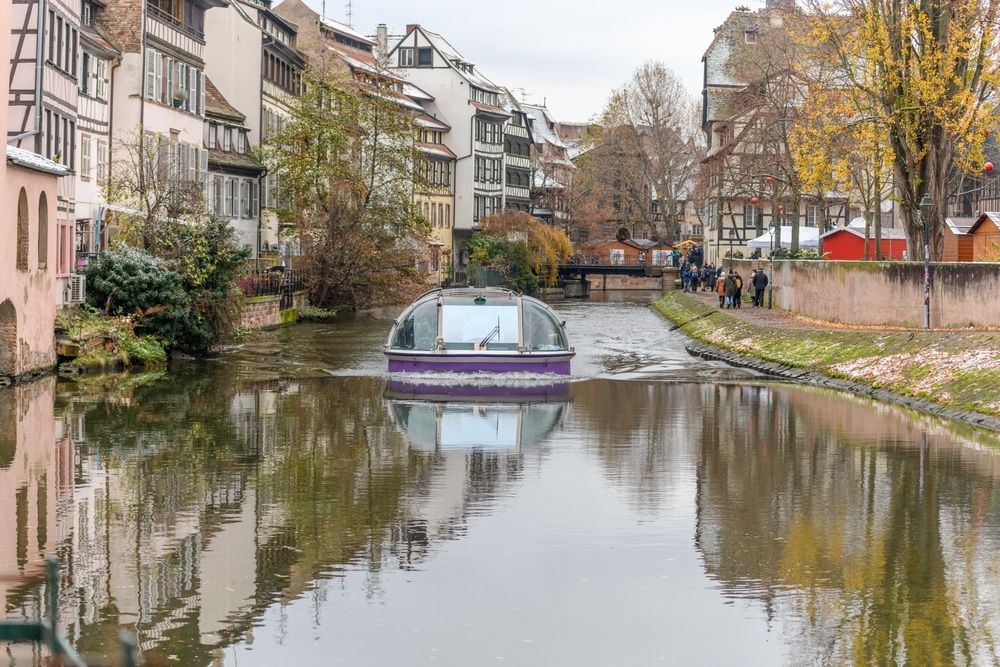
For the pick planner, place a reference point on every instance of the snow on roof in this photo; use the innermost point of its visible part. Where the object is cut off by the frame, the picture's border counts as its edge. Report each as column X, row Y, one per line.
column 429, row 121
column 542, row 125
column 457, row 61
column 443, row 46
column 29, row 160
column 960, row 225
column 346, row 29
column 435, row 151
column 416, row 93
column 541, row 180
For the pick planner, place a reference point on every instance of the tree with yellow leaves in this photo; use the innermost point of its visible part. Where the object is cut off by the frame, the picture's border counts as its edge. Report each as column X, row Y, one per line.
column 927, row 70
column 512, row 237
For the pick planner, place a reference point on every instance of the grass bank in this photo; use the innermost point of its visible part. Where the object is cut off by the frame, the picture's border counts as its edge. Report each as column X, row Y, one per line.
column 959, row 370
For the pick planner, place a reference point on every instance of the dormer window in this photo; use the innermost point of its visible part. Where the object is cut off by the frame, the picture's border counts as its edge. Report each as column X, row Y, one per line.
column 750, row 35
column 425, row 57
column 406, row 57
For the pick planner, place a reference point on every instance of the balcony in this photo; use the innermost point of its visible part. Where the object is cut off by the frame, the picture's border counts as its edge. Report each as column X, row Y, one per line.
column 169, row 30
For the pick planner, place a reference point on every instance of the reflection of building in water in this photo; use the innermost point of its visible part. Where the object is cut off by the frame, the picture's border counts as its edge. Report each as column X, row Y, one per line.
column 36, row 476
column 161, row 536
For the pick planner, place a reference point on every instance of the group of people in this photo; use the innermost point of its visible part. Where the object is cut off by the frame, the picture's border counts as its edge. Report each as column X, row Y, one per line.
column 729, row 287
column 693, row 278
column 727, row 284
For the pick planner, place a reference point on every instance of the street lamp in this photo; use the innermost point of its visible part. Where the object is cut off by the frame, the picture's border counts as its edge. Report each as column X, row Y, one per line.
column 771, row 229
column 926, row 203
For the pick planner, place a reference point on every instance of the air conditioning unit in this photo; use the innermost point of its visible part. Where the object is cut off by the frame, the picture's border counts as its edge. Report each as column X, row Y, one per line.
column 76, row 290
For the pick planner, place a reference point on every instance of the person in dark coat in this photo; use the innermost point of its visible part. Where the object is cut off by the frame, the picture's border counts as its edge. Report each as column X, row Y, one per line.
column 738, row 298
column 759, row 283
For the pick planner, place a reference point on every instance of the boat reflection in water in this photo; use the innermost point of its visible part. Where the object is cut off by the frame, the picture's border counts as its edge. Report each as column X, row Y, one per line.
column 444, row 414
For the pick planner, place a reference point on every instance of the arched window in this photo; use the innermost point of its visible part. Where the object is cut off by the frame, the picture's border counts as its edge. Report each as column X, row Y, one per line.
column 22, row 231
column 43, row 231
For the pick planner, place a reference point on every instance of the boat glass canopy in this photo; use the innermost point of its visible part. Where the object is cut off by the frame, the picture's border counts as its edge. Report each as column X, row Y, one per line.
column 478, row 321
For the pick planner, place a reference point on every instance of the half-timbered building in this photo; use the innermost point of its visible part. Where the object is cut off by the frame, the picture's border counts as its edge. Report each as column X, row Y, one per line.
column 28, row 182
column 748, row 170
column 470, row 104
column 43, row 100
column 517, row 155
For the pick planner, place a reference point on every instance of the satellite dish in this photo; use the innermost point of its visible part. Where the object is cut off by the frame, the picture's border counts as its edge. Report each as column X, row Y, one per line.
column 886, row 206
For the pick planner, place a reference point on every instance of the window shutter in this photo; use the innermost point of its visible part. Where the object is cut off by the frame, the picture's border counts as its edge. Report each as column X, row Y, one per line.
column 192, row 164
column 100, row 84
column 158, row 92
column 253, row 199
column 150, row 74
column 201, row 94
column 192, row 100
column 170, row 82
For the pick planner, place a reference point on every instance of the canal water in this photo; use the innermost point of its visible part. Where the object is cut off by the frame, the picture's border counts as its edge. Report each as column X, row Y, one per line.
column 289, row 503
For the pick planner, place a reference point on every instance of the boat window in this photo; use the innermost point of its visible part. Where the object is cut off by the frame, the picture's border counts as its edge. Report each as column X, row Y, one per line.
column 418, row 330
column 541, row 329
column 466, row 322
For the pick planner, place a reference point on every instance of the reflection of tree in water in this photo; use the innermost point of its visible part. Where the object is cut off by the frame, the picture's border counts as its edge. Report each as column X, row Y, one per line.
column 841, row 536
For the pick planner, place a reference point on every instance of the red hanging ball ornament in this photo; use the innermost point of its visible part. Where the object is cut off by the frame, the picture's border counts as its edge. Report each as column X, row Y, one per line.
column 986, row 134
column 781, row 209
column 988, row 167
column 754, row 200
column 768, row 179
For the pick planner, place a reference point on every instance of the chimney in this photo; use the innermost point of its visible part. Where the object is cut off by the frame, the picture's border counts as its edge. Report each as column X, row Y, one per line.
column 410, row 27
column 381, row 39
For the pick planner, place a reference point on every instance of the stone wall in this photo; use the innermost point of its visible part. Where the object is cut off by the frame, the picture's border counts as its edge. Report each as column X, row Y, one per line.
column 886, row 293
column 604, row 283
column 262, row 312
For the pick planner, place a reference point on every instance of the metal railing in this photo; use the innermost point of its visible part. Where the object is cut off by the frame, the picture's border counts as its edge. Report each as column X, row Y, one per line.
column 45, row 631
column 276, row 281
column 604, row 259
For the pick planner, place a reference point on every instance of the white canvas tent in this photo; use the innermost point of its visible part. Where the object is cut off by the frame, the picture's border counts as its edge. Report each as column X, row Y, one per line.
column 808, row 238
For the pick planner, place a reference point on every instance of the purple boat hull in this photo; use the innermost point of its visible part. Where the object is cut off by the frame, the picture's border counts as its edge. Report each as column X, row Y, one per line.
column 557, row 362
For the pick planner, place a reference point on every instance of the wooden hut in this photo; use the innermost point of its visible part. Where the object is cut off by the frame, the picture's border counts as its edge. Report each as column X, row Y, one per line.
column 985, row 234
column 957, row 241
column 848, row 243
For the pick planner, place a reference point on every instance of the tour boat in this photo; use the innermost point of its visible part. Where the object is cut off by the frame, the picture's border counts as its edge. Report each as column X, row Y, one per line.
column 470, row 329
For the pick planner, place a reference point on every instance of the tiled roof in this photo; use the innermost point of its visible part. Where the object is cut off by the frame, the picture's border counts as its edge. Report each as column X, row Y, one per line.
column 217, row 106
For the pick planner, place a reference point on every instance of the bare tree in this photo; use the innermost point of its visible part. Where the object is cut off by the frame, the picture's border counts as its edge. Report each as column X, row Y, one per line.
column 648, row 150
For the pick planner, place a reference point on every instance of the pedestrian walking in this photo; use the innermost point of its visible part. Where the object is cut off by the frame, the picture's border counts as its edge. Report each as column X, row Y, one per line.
column 738, row 297
column 730, row 287
column 759, row 285
column 720, row 289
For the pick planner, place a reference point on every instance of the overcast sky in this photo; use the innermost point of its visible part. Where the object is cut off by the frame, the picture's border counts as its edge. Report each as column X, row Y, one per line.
column 568, row 54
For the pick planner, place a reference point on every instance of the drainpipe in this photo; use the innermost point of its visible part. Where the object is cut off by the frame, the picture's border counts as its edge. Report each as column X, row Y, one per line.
column 39, row 69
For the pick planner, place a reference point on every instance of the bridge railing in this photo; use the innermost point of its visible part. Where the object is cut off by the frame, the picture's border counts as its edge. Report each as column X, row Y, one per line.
column 604, row 259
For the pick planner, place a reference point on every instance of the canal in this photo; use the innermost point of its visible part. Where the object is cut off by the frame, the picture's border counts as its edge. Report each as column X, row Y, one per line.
column 288, row 503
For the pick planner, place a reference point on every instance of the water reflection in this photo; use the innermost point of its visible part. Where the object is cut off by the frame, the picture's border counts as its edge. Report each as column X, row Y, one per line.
column 503, row 427
column 230, row 520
